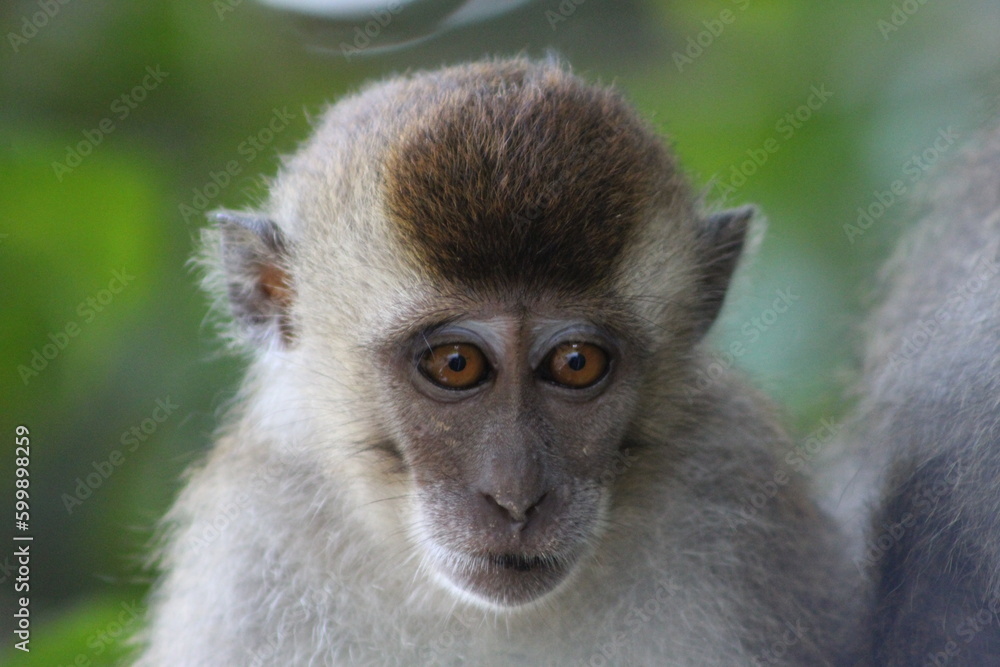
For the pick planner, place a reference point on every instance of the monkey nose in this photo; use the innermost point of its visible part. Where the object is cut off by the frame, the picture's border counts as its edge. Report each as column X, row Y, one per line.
column 515, row 510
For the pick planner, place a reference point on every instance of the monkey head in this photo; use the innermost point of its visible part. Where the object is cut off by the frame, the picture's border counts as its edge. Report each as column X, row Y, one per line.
column 473, row 293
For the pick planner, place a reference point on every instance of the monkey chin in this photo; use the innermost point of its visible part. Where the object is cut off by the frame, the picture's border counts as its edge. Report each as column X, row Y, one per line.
column 502, row 582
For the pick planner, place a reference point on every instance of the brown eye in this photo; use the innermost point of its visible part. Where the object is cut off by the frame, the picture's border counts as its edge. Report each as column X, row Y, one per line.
column 455, row 366
column 576, row 365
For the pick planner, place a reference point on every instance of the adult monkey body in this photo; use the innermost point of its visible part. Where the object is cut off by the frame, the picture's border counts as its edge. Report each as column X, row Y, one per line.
column 930, row 409
column 472, row 431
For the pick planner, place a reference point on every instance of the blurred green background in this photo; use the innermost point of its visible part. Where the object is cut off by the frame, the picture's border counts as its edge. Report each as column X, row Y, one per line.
column 119, row 119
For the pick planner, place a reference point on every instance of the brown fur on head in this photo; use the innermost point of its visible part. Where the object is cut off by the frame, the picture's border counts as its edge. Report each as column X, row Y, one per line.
column 527, row 177
column 507, row 173
column 512, row 208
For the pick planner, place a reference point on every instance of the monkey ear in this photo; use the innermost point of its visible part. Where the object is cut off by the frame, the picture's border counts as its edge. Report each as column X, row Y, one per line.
column 723, row 235
column 252, row 255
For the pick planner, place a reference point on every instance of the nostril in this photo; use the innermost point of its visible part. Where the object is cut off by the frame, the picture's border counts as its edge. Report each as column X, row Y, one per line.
column 508, row 510
column 533, row 510
column 516, row 511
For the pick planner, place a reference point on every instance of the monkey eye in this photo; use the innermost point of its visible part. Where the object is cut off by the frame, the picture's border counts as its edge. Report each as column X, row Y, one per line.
column 455, row 366
column 575, row 365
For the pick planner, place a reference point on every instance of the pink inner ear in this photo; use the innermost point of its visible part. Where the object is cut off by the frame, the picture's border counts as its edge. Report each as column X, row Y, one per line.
column 275, row 284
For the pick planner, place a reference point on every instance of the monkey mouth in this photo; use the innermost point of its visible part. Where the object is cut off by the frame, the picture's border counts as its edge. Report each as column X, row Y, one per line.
column 506, row 580
column 503, row 567
column 518, row 562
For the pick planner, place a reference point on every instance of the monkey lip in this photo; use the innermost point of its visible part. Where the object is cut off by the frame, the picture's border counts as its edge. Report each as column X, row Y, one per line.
column 518, row 562
column 508, row 579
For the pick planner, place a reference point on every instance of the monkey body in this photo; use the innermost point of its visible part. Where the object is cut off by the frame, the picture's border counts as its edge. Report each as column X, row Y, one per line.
column 327, row 588
column 929, row 417
column 472, row 431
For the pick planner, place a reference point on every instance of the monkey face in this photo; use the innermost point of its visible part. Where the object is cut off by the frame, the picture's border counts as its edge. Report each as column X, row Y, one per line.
column 511, row 426
column 518, row 256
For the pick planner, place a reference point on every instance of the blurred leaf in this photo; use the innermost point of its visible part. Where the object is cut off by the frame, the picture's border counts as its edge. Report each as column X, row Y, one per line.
column 90, row 633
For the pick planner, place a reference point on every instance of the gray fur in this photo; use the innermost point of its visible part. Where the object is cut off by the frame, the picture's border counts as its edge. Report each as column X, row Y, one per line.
column 929, row 417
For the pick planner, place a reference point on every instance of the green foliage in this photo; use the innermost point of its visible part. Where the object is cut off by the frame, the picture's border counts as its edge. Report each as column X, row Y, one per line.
column 91, row 632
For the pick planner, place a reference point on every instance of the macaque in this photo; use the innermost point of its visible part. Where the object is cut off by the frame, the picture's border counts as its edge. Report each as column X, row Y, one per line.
column 475, row 428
